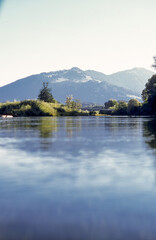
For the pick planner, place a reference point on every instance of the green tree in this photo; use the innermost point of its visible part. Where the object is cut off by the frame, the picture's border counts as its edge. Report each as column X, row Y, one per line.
column 121, row 108
column 150, row 89
column 74, row 104
column 69, row 100
column 110, row 103
column 149, row 96
column 77, row 104
column 133, row 107
column 45, row 93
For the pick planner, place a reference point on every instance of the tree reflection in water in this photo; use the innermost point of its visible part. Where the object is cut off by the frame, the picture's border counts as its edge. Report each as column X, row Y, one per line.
column 47, row 128
column 72, row 126
column 34, row 133
column 149, row 131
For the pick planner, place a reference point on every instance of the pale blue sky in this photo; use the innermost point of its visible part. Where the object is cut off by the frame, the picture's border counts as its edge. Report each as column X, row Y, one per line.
column 47, row 35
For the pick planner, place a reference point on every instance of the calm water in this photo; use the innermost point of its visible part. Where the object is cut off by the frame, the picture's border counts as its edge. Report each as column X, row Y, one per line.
column 78, row 178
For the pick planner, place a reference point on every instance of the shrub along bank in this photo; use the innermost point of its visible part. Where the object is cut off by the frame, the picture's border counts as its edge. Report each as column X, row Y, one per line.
column 38, row 108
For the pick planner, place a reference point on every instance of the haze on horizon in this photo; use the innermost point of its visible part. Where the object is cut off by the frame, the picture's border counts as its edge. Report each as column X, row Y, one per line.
column 102, row 35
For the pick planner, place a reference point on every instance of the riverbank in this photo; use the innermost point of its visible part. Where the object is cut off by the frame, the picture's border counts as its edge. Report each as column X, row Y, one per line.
column 28, row 108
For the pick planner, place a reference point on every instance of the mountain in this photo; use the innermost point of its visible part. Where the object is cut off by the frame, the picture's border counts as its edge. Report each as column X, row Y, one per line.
column 88, row 86
column 133, row 79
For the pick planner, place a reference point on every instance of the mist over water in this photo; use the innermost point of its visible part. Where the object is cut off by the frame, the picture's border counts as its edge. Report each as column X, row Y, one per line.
column 77, row 178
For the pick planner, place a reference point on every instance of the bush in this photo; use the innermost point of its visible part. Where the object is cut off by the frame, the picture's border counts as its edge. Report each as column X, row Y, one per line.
column 37, row 108
column 110, row 103
column 121, row 108
column 92, row 113
column 134, row 107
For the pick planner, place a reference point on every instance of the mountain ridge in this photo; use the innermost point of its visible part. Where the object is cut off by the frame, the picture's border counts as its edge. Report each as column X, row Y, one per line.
column 88, row 86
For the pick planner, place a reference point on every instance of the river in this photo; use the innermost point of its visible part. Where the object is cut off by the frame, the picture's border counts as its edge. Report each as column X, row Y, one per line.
column 78, row 178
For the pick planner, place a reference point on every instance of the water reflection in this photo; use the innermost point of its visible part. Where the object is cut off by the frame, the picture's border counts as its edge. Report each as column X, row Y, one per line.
column 47, row 130
column 41, row 130
column 47, row 127
column 91, row 135
column 77, row 178
column 70, row 123
column 149, row 131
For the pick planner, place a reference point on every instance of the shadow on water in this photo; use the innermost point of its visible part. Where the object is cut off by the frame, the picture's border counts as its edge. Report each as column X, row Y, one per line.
column 149, row 131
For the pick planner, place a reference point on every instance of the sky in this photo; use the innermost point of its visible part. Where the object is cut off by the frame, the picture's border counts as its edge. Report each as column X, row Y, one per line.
column 48, row 35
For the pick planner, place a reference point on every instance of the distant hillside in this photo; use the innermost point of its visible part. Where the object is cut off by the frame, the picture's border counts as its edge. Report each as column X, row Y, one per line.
column 133, row 79
column 88, row 86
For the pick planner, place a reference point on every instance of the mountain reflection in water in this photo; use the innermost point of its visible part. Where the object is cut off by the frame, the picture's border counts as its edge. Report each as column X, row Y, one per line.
column 77, row 178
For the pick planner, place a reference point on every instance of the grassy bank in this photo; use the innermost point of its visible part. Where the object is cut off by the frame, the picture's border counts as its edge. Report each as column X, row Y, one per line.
column 37, row 108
